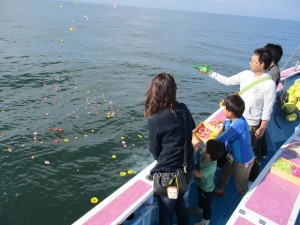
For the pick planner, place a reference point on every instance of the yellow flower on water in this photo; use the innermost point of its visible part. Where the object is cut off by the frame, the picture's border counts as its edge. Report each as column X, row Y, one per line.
column 66, row 140
column 94, row 200
column 122, row 138
column 122, row 174
column 114, row 156
column 130, row 172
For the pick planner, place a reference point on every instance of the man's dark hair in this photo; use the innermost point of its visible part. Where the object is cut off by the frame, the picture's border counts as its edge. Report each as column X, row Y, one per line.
column 264, row 56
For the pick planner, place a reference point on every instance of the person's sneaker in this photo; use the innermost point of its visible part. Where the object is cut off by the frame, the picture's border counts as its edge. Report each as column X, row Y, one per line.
column 202, row 222
column 149, row 177
column 199, row 223
column 196, row 211
column 219, row 192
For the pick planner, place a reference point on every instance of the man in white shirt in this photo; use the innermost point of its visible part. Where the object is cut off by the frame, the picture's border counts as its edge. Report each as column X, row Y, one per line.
column 259, row 97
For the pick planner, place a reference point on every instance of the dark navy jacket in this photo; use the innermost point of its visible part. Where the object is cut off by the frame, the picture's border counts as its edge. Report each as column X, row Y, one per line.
column 167, row 136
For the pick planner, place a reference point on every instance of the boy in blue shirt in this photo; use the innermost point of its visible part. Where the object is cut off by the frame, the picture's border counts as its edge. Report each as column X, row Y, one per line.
column 237, row 139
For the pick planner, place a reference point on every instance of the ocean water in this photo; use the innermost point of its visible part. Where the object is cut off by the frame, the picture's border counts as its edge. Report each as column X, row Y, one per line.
column 73, row 79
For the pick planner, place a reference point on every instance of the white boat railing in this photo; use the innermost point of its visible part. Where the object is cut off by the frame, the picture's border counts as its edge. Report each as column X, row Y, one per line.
column 293, row 61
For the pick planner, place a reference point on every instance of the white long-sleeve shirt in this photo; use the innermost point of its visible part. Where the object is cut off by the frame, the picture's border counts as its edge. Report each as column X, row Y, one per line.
column 259, row 99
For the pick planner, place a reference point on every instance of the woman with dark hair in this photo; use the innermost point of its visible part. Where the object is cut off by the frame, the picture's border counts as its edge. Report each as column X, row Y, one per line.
column 273, row 70
column 170, row 133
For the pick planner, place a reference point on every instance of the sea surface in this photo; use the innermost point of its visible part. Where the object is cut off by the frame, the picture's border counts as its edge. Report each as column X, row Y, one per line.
column 73, row 79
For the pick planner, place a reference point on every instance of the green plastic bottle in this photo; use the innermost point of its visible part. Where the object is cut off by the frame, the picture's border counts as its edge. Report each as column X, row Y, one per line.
column 204, row 68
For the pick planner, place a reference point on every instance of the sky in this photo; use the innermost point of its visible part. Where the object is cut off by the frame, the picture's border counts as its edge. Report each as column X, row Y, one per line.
column 278, row 9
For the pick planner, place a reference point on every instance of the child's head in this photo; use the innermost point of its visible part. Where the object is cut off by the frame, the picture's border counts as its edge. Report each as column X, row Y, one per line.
column 214, row 149
column 235, row 105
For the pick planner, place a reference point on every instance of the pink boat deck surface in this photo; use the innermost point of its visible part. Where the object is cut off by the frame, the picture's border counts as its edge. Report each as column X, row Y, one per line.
column 243, row 221
column 289, row 71
column 120, row 204
column 274, row 198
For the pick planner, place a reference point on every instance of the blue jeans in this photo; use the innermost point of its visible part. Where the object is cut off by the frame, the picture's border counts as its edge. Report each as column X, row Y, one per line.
column 167, row 207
